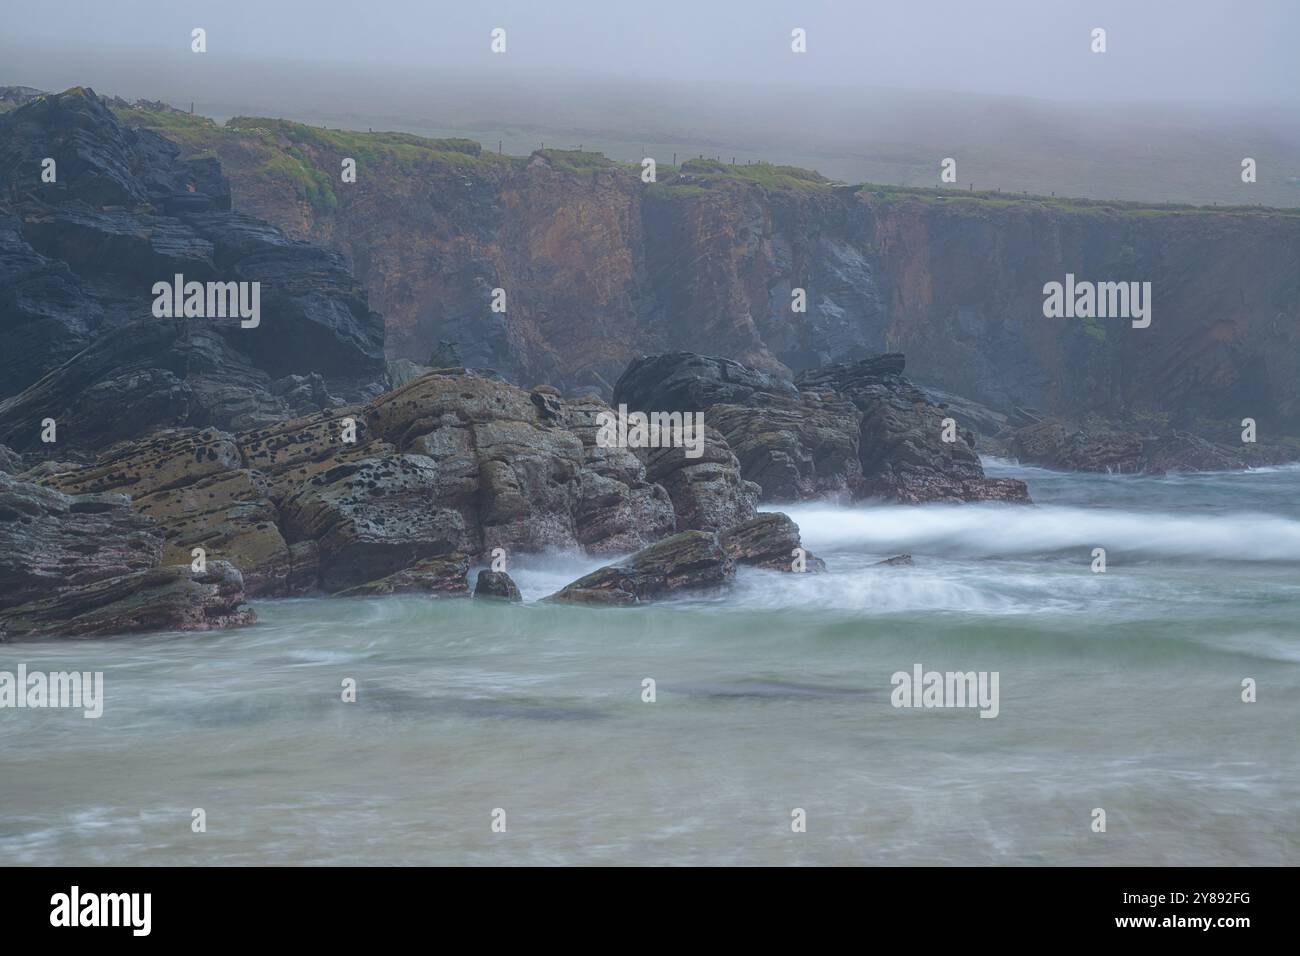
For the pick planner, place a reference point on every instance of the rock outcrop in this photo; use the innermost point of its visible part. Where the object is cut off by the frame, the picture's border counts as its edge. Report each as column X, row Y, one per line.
column 770, row 540
column 401, row 493
column 81, row 565
column 1152, row 449
column 496, row 585
column 690, row 560
column 856, row 430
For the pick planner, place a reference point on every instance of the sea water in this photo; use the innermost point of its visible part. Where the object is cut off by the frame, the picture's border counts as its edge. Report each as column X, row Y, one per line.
column 1119, row 691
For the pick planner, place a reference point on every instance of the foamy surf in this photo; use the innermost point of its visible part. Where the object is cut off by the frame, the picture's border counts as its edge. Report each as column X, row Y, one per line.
column 994, row 530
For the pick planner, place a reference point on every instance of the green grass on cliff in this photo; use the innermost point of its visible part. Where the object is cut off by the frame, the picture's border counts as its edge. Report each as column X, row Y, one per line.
column 307, row 158
column 975, row 201
column 767, row 175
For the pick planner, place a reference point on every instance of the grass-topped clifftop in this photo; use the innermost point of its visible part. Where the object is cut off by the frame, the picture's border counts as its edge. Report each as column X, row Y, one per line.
column 978, row 200
column 306, row 157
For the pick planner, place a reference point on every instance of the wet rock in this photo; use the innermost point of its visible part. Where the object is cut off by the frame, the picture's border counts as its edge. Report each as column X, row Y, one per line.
column 89, row 564
column 497, row 585
column 160, row 599
column 795, row 449
column 769, row 540
column 618, row 510
column 898, row 560
column 689, row 560
column 852, row 430
column 444, row 575
column 304, row 394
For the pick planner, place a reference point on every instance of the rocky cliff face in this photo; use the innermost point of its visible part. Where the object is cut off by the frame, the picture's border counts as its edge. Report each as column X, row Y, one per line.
column 599, row 268
column 93, row 215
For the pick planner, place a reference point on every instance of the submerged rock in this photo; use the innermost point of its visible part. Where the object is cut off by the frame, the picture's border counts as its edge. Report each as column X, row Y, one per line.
column 689, row 560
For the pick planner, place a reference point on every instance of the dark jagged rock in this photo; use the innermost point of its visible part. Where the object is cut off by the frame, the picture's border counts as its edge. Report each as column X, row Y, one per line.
column 854, row 430
column 496, row 585
column 440, row 576
column 687, row 382
column 689, row 560
column 901, row 448
column 795, row 449
column 897, row 561
column 618, row 509
column 1054, row 444
column 304, row 394
column 769, row 540
column 78, row 261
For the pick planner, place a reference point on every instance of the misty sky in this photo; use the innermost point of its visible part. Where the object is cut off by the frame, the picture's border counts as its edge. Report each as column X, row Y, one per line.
column 1201, row 51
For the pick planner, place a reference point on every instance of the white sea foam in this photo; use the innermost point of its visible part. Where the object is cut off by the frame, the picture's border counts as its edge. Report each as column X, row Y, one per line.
column 992, row 530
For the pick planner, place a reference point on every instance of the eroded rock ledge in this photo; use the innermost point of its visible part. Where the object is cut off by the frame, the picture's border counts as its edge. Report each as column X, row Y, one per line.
column 85, row 565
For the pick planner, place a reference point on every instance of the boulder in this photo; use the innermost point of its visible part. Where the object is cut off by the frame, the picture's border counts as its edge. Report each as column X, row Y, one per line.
column 851, row 430
column 88, row 564
column 440, row 576
column 496, row 585
column 1118, row 448
column 689, row 560
column 768, row 540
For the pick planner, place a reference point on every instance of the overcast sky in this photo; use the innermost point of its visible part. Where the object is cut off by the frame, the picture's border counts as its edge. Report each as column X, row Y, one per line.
column 1200, row 51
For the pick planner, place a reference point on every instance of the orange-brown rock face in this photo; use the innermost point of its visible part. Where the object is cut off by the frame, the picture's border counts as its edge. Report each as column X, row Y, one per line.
column 599, row 267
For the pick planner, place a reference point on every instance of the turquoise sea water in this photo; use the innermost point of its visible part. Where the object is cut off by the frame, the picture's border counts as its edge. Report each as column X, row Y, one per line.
column 1119, row 691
